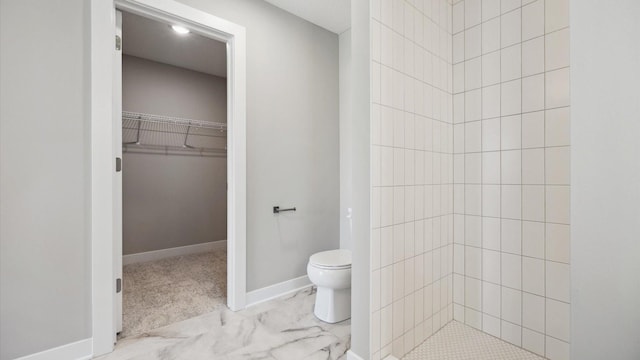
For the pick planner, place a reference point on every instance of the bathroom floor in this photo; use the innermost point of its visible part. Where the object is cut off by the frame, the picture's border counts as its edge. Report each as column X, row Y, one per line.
column 283, row 329
column 162, row 292
column 457, row 341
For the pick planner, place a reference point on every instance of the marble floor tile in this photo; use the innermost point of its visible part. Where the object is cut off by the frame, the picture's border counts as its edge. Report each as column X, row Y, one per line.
column 280, row 329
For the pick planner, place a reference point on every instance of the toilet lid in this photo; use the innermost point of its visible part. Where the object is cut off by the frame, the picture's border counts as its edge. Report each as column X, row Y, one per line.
column 334, row 259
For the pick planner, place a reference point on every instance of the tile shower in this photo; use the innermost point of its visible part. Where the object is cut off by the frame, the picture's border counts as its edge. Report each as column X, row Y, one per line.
column 470, row 161
column 412, row 193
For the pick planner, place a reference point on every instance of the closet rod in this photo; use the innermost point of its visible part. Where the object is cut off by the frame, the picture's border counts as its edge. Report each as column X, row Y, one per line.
column 128, row 115
column 137, row 128
column 174, row 150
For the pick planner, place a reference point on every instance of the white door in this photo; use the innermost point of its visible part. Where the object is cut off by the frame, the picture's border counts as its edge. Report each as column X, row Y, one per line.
column 117, row 174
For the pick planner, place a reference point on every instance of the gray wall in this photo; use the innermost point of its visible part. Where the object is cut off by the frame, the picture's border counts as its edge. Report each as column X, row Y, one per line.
column 44, row 183
column 156, row 88
column 346, row 165
column 361, row 178
column 172, row 200
column 292, row 138
column 605, row 176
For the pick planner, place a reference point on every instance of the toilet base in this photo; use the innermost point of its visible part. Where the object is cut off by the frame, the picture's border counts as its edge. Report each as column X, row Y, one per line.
column 333, row 306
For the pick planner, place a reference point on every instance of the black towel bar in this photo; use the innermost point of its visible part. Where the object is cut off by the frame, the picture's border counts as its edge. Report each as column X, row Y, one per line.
column 277, row 210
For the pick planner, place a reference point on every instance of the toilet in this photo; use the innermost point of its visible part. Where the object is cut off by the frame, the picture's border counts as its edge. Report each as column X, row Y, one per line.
column 330, row 271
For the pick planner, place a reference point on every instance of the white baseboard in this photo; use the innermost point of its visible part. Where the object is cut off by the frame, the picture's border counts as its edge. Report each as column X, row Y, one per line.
column 79, row 350
column 176, row 251
column 277, row 290
column 353, row 356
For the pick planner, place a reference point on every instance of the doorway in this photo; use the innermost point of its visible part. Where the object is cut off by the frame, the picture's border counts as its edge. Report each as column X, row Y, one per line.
column 173, row 137
column 106, row 157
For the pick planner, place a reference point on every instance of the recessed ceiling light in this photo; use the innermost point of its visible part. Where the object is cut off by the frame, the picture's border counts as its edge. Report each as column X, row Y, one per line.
column 180, row 29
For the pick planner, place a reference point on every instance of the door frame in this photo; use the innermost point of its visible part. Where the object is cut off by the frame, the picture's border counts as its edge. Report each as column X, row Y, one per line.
column 100, row 103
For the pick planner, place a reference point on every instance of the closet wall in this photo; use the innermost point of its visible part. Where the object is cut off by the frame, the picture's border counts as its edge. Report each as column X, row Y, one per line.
column 172, row 200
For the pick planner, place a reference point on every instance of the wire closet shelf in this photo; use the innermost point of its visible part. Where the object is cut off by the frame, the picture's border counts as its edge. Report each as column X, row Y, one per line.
column 172, row 135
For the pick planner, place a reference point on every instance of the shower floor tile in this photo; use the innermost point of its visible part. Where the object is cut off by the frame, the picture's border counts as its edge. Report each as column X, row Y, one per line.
column 457, row 341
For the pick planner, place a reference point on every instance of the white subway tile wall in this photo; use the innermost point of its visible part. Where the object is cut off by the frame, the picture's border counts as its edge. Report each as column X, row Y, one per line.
column 511, row 171
column 412, row 140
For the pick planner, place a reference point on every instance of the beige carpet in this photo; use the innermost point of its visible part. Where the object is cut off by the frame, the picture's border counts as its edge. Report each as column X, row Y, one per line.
column 162, row 292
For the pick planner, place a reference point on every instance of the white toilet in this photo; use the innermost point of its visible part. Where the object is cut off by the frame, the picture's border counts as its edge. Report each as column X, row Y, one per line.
column 330, row 271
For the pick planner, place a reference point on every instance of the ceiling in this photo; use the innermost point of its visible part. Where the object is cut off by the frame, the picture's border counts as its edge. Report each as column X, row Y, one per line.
column 153, row 40
column 333, row 15
column 156, row 41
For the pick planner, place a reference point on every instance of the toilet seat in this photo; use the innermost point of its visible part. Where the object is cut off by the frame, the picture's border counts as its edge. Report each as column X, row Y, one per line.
column 331, row 260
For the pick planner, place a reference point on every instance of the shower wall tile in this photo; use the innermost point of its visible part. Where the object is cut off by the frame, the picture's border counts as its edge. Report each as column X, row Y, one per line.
column 508, row 5
column 412, row 106
column 490, row 9
column 533, row 56
column 557, row 49
column 490, row 69
column 556, row 15
column 512, row 145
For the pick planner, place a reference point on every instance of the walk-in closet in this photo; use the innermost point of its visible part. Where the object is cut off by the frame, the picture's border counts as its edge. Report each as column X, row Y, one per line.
column 174, row 174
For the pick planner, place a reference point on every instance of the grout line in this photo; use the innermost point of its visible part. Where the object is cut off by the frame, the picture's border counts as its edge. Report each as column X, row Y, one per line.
column 516, row 289
column 502, row 14
column 521, row 192
column 481, row 180
column 501, row 152
column 544, row 174
column 464, row 170
column 508, row 46
column 514, row 80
